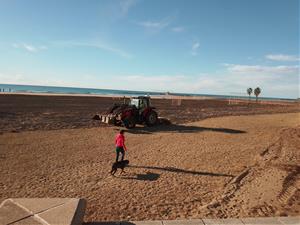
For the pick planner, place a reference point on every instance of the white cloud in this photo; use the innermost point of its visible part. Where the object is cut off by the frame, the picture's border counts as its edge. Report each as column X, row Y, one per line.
column 203, row 83
column 43, row 47
column 195, row 48
column 223, row 84
column 29, row 47
column 281, row 57
column 276, row 81
column 284, row 84
column 11, row 78
column 258, row 69
column 178, row 29
column 155, row 25
column 15, row 45
column 25, row 79
column 150, row 83
column 97, row 45
column 125, row 5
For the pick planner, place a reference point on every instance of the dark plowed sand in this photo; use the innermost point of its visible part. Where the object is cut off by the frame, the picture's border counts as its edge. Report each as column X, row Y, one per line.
column 33, row 112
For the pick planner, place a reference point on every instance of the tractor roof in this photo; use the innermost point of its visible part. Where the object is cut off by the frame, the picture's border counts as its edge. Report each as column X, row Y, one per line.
column 141, row 97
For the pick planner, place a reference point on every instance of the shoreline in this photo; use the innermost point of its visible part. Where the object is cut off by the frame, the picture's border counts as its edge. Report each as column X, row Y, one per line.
column 106, row 96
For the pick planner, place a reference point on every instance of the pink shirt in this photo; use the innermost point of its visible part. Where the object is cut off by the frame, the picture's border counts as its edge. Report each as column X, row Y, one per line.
column 120, row 140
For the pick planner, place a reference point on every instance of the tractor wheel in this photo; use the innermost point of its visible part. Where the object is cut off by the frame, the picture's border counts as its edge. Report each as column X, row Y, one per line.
column 151, row 118
column 129, row 122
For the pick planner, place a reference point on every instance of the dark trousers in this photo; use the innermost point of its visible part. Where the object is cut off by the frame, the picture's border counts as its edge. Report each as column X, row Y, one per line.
column 118, row 151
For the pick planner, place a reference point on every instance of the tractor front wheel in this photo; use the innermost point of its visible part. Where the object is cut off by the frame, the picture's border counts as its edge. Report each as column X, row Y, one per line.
column 151, row 118
column 129, row 123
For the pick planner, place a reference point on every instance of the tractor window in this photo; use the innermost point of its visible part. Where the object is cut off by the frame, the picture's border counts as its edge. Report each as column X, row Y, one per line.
column 135, row 102
column 142, row 103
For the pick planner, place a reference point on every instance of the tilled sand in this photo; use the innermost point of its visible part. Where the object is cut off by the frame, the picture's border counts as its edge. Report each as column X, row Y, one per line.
column 220, row 167
column 41, row 112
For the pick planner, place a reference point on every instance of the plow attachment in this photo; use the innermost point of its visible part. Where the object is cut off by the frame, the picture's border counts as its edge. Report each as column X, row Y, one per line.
column 109, row 119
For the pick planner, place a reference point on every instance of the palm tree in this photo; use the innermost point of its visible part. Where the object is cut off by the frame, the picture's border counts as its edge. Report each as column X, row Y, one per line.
column 249, row 91
column 257, row 92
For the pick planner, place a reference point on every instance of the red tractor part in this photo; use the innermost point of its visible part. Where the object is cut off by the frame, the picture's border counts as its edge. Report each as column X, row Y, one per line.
column 137, row 111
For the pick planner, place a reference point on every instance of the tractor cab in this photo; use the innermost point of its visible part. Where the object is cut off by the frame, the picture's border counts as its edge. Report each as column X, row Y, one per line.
column 140, row 102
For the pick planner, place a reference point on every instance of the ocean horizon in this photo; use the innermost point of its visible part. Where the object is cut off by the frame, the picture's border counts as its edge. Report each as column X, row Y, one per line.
column 17, row 88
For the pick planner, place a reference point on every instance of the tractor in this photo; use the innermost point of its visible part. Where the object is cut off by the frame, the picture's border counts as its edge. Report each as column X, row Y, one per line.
column 137, row 111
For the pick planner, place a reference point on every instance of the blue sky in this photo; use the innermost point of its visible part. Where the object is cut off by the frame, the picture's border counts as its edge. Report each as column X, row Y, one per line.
column 193, row 46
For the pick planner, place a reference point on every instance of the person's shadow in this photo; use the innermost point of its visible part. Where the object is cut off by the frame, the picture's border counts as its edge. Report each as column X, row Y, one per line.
column 177, row 170
column 149, row 176
column 178, row 128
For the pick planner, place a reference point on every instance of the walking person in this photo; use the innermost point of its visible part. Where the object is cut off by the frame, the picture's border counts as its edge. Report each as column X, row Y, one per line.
column 120, row 145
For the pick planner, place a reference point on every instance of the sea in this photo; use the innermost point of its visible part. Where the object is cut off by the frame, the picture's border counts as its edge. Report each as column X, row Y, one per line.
column 14, row 88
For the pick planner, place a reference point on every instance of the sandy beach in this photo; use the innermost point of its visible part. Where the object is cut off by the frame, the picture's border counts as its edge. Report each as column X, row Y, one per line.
column 215, row 160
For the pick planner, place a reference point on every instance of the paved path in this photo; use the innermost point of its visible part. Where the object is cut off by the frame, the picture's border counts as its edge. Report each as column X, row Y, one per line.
column 42, row 211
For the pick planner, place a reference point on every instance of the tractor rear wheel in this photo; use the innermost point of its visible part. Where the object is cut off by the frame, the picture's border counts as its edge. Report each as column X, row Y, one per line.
column 151, row 118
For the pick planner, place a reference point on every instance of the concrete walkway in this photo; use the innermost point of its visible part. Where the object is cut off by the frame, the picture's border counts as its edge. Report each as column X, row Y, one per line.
column 42, row 211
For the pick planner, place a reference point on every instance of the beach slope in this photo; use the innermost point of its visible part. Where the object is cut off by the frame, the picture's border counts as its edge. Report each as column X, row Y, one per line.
column 234, row 166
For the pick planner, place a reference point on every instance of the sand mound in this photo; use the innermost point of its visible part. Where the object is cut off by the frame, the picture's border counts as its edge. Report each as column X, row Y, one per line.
column 269, row 188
